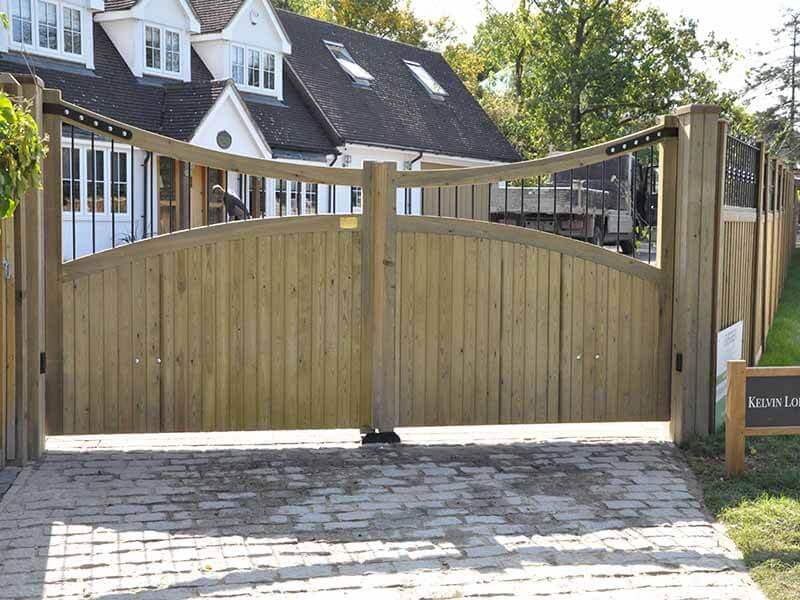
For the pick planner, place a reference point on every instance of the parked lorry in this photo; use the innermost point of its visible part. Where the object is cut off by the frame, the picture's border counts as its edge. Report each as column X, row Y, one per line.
column 602, row 204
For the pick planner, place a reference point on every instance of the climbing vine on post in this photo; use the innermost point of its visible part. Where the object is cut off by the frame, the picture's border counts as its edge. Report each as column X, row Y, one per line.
column 21, row 152
column 22, row 149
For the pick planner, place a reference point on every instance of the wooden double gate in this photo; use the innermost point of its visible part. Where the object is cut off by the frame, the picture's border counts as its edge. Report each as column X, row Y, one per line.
column 379, row 320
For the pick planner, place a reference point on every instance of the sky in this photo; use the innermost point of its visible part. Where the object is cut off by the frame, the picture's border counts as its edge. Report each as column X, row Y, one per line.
column 744, row 23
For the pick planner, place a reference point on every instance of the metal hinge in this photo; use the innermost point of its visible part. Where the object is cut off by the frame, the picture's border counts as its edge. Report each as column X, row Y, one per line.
column 43, row 363
column 679, row 362
column 6, row 269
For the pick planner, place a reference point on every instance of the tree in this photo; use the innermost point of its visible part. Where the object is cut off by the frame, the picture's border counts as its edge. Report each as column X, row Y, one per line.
column 391, row 19
column 568, row 73
column 780, row 78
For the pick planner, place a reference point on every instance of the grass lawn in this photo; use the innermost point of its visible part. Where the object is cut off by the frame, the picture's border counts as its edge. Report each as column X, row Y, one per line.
column 762, row 509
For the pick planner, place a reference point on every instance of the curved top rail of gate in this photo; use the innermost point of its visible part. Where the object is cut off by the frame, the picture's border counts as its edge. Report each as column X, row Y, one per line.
column 153, row 142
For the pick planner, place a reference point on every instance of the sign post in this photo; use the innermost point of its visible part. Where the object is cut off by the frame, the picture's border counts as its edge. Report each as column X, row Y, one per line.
column 761, row 401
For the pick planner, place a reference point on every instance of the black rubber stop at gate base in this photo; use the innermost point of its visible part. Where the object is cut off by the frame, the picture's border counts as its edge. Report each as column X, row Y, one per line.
column 382, row 437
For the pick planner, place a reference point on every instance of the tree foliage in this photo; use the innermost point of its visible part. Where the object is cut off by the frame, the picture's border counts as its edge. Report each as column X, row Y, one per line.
column 567, row 73
column 778, row 78
column 391, row 19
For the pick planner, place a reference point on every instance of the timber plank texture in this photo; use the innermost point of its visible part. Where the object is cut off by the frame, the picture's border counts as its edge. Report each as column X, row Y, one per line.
column 260, row 330
column 522, row 334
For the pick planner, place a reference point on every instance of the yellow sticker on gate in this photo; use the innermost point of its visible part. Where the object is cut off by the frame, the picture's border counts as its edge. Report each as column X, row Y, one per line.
column 348, row 223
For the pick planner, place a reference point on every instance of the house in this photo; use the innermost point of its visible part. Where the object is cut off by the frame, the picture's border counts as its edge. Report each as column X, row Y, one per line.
column 237, row 76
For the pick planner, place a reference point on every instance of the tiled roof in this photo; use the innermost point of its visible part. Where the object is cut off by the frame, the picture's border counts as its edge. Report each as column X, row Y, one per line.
column 395, row 110
column 215, row 16
column 120, row 4
column 165, row 106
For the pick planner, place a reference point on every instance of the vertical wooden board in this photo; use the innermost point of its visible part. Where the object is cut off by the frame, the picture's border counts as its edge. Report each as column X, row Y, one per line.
column 139, row 371
column 456, row 318
column 530, row 331
column 196, row 328
column 304, row 329
column 181, row 354
column 331, row 329
column 153, row 340
column 554, row 349
column 168, row 342
column 406, row 327
column 235, row 266
column 318, row 307
column 590, row 323
column 69, row 327
column 470, row 327
column 542, row 347
column 223, row 335
column 292, row 316
column 495, row 337
column 567, row 322
column 430, row 414
column 518, row 334
column 278, row 274
column 111, row 351
column 578, row 354
column 637, row 350
column 482, row 334
column 345, row 270
column 210, row 365
column 614, row 349
column 600, row 397
column 506, row 312
column 420, row 327
column 441, row 355
column 626, row 360
column 650, row 314
column 362, row 402
column 264, row 305
column 96, row 354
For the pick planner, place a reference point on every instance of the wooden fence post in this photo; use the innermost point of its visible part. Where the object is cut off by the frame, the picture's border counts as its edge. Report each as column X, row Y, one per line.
column 695, row 234
column 29, row 426
column 380, row 286
column 734, row 418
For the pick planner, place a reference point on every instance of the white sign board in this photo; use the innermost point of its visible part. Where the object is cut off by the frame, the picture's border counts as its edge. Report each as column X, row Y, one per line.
column 730, row 345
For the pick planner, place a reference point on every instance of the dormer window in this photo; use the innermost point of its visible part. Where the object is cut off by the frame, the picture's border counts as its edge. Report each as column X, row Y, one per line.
column 162, row 50
column 47, row 26
column 252, row 68
column 428, row 82
column 359, row 75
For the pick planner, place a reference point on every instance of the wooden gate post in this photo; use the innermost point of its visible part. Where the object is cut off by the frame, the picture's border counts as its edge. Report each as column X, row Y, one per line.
column 379, row 246
column 29, row 423
column 696, row 231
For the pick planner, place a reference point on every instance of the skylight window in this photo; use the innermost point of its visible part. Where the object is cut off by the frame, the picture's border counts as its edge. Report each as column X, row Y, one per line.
column 350, row 66
column 425, row 78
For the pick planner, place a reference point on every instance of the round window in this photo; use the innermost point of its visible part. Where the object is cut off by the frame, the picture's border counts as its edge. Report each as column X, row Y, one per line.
column 224, row 140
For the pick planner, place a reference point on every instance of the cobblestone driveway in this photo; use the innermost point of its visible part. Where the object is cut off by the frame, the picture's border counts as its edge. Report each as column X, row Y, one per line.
column 236, row 517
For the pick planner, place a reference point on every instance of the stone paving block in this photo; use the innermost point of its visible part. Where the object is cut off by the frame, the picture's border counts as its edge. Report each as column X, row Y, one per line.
column 156, row 517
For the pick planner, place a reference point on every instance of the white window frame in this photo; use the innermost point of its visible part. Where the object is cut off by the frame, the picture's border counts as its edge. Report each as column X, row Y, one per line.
column 19, row 18
column 83, row 148
column 353, row 69
column 161, row 70
column 42, row 9
column 265, row 57
column 235, row 48
column 64, row 9
column 167, row 52
column 34, row 47
column 423, row 76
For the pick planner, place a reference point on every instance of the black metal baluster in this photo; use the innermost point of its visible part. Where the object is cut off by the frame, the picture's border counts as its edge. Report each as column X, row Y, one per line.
column 473, row 201
column 603, row 209
column 153, row 195
column 440, row 201
column 72, row 190
column 556, row 228
column 619, row 201
column 422, row 202
column 571, row 210
column 224, row 209
column 113, row 185
column 172, row 198
column 189, row 200
column 456, row 215
column 539, row 203
column 522, row 220
column 586, row 207
column 505, row 206
column 94, row 196
column 649, row 209
column 332, row 202
column 133, row 195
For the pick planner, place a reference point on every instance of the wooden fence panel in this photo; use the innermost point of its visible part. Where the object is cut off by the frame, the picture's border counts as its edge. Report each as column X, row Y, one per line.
column 7, row 340
column 227, row 334
column 554, row 325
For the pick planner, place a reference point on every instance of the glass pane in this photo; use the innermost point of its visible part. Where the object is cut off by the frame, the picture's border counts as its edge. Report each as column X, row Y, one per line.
column 253, row 68
column 311, row 198
column 173, row 52
column 237, row 64
column 427, row 80
column 294, row 198
column 153, row 47
column 72, row 30
column 48, row 26
column 350, row 66
column 21, row 21
column 269, row 71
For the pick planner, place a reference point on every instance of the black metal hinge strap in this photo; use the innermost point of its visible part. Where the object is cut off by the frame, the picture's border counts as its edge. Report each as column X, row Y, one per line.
column 635, row 143
column 88, row 121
